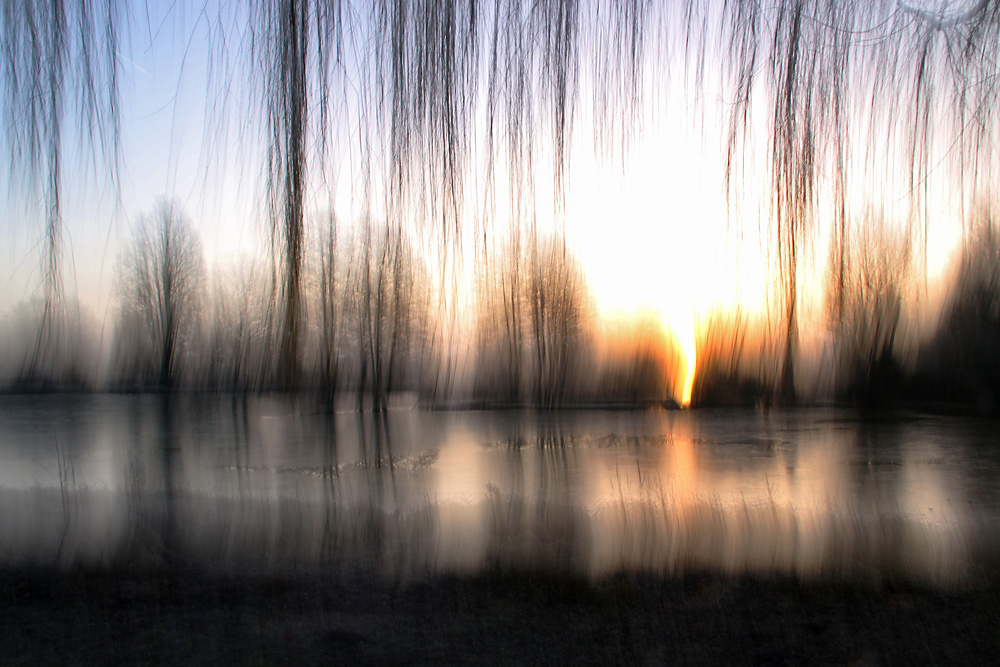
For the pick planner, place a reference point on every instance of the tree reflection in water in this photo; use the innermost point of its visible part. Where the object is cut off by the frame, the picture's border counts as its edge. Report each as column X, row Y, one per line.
column 261, row 483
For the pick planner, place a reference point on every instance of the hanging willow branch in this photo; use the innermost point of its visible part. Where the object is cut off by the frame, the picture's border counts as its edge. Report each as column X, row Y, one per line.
column 844, row 90
column 59, row 65
column 438, row 99
column 920, row 86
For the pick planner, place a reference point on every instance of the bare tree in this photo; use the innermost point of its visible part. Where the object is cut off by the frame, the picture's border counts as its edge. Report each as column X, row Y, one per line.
column 386, row 307
column 851, row 90
column 817, row 74
column 238, row 342
column 532, row 307
column 160, row 290
column 868, row 320
column 500, row 322
column 555, row 301
column 329, row 296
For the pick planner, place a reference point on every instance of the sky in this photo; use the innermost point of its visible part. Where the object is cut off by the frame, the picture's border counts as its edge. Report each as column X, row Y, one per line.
column 163, row 121
column 651, row 226
column 642, row 225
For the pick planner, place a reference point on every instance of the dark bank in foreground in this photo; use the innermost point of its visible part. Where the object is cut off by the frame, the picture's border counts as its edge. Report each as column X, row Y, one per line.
column 188, row 615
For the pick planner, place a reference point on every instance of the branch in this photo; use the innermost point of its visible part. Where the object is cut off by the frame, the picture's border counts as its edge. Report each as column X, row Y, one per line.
column 941, row 20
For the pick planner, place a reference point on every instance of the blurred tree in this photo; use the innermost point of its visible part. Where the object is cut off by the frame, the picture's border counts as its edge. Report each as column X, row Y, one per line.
column 855, row 93
column 386, row 307
column 239, row 351
column 867, row 320
column 555, row 298
column 57, row 59
column 329, row 296
column 160, row 284
column 967, row 348
column 533, row 303
column 500, row 323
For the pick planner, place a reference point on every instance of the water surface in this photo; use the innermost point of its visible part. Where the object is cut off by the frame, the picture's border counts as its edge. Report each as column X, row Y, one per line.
column 265, row 482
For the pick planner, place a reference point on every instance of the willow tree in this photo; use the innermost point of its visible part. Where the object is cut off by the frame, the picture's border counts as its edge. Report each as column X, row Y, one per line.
column 439, row 101
column 843, row 91
column 279, row 50
column 59, row 64
column 858, row 96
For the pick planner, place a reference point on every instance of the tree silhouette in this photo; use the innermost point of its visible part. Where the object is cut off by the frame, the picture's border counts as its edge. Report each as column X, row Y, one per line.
column 853, row 89
column 533, row 305
column 967, row 347
column 160, row 285
column 868, row 321
column 329, row 296
column 384, row 312
column 848, row 96
column 239, row 341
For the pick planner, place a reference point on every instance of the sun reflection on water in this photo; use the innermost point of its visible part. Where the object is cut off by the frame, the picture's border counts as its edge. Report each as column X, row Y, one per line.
column 805, row 491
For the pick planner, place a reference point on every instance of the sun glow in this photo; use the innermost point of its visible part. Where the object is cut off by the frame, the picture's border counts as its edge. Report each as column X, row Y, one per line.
column 653, row 236
column 689, row 357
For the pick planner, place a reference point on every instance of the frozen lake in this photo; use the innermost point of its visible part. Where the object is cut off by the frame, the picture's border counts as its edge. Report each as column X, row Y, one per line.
column 262, row 482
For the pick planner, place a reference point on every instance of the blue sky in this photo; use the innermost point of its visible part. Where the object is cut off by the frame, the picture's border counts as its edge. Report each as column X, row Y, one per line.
column 650, row 227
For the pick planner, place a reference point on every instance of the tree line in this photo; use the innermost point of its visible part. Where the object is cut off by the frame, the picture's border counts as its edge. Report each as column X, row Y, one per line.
column 370, row 330
column 369, row 308
column 844, row 101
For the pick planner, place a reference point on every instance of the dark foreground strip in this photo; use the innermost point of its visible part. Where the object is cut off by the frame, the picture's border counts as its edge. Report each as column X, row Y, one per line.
column 185, row 615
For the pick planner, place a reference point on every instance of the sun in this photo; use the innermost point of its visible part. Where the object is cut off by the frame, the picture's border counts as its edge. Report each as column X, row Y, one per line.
column 653, row 237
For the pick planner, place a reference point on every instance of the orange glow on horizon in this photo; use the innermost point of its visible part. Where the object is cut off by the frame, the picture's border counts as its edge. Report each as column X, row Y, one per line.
column 665, row 347
column 689, row 355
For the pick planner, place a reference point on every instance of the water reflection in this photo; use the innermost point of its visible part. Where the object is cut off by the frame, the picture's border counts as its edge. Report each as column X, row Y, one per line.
column 259, row 482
